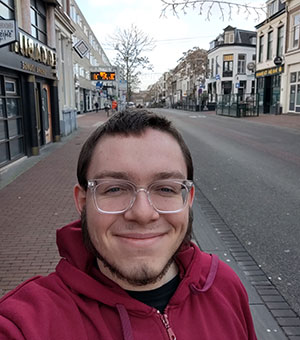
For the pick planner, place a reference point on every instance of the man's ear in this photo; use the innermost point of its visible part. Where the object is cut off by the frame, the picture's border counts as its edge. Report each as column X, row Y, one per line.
column 79, row 197
column 192, row 196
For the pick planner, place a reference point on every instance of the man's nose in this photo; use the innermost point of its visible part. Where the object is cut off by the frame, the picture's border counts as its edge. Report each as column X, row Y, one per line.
column 141, row 211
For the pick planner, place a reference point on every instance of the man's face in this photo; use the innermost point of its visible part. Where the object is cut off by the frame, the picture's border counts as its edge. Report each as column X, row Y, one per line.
column 136, row 247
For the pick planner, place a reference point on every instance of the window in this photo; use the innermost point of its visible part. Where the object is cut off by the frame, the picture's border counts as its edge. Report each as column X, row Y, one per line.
column 38, row 20
column 280, row 33
column 261, row 48
column 7, row 9
column 296, row 31
column 294, row 102
column 212, row 67
column 73, row 13
column 11, row 121
column 227, row 65
column 270, row 45
column 217, row 65
column 272, row 8
column 241, row 64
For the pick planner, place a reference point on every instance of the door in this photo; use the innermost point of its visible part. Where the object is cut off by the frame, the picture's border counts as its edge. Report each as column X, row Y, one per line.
column 268, row 94
column 46, row 113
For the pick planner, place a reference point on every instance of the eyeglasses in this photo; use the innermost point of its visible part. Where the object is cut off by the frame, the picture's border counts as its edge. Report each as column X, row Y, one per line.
column 115, row 196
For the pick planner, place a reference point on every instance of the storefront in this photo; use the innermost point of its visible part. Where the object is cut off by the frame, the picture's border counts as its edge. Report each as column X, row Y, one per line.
column 268, row 89
column 294, row 91
column 29, row 116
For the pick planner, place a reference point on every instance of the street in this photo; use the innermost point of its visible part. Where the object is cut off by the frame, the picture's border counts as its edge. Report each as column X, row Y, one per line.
column 249, row 172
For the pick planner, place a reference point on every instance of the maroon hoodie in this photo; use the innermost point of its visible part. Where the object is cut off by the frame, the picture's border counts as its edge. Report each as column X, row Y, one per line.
column 77, row 302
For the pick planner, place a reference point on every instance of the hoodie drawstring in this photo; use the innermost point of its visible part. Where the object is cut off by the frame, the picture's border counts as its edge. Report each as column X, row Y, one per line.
column 210, row 278
column 126, row 325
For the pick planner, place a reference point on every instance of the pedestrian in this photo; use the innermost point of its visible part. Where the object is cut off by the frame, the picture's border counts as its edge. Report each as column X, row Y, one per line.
column 129, row 270
column 106, row 108
column 114, row 105
column 96, row 106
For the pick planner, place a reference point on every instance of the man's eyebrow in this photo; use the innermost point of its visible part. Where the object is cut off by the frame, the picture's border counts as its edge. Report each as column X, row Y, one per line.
column 112, row 174
column 169, row 175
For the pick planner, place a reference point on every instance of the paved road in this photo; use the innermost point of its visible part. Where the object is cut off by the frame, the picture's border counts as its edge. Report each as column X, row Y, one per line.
column 250, row 173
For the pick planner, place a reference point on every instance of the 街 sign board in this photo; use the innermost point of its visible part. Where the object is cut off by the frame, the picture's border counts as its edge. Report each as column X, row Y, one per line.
column 8, row 32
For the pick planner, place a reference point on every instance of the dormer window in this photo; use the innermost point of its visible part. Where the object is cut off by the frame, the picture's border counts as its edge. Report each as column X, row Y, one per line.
column 272, row 7
column 229, row 38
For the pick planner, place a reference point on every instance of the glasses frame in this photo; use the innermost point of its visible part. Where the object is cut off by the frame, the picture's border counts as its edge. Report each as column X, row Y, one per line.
column 93, row 183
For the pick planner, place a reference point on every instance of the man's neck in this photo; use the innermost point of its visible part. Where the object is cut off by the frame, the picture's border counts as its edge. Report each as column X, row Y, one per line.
column 170, row 274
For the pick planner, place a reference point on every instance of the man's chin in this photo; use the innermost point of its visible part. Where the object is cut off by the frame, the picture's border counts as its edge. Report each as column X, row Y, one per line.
column 138, row 276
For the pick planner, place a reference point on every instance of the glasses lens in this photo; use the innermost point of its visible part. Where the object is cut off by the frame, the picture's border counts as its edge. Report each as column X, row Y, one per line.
column 113, row 196
column 168, row 196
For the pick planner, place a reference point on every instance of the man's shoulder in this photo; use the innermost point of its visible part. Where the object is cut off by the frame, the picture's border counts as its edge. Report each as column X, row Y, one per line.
column 32, row 292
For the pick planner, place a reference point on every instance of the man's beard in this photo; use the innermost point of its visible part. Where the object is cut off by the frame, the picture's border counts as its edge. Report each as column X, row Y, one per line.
column 145, row 278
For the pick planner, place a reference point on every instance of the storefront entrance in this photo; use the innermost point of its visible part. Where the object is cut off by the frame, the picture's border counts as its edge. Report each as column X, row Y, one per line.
column 11, row 120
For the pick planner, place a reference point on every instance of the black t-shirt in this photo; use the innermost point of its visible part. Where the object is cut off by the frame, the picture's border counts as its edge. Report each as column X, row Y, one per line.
column 157, row 298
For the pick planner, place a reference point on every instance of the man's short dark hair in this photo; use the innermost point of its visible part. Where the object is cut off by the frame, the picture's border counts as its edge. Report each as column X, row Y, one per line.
column 133, row 122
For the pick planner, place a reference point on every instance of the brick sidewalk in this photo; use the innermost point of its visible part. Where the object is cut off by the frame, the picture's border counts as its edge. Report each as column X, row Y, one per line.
column 37, row 203
column 284, row 120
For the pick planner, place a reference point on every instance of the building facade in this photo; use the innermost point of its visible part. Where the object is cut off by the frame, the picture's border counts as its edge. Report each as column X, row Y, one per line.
column 291, row 82
column 270, row 68
column 64, row 30
column 231, row 63
column 88, row 56
column 29, row 112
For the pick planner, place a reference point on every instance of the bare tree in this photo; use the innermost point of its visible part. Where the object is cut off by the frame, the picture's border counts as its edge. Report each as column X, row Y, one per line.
column 226, row 8
column 131, row 44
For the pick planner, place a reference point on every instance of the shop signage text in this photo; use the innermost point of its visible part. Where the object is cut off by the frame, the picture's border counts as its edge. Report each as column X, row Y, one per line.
column 8, row 32
column 269, row 72
column 34, row 50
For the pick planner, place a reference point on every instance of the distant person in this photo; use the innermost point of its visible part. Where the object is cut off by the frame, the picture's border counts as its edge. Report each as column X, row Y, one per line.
column 114, row 105
column 107, row 108
column 129, row 270
column 96, row 106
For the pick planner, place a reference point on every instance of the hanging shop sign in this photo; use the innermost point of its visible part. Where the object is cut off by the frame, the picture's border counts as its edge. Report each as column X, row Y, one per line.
column 8, row 32
column 269, row 72
column 33, row 49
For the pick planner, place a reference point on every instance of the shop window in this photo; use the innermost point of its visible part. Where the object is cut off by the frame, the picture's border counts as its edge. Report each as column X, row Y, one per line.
column 298, row 95
column 7, row 9
column 38, row 20
column 11, row 121
column 293, row 77
column 292, row 97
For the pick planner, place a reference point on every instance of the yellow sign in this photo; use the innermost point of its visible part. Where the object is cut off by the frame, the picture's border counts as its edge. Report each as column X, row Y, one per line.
column 227, row 57
column 269, row 72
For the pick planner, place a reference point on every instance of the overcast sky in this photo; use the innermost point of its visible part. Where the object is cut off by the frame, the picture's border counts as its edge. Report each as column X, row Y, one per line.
column 173, row 35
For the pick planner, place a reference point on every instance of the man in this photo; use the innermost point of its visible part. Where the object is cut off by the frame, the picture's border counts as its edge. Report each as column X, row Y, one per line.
column 129, row 270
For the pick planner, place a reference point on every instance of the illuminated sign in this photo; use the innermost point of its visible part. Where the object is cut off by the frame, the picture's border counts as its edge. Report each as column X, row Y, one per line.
column 103, row 75
column 34, row 50
column 269, row 72
column 228, row 57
